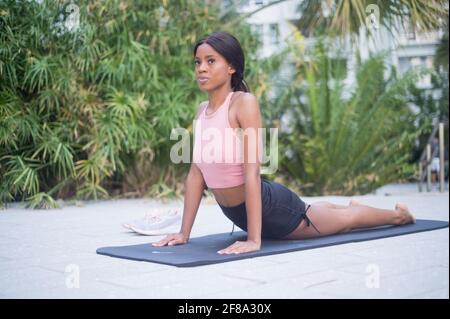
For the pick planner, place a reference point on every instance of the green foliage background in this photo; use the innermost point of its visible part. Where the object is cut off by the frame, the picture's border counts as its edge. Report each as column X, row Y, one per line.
column 88, row 113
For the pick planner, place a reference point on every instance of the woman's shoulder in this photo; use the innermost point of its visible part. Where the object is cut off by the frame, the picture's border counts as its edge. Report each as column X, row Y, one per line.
column 247, row 107
column 244, row 95
column 246, row 100
column 243, row 98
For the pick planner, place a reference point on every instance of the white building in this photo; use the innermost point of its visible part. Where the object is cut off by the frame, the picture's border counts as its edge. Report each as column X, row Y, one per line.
column 408, row 49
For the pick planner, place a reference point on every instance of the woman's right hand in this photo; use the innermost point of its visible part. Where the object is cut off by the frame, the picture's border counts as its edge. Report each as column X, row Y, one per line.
column 171, row 240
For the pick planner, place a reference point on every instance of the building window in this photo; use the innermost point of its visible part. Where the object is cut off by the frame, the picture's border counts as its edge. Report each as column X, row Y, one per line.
column 416, row 62
column 274, row 34
column 227, row 3
column 408, row 29
column 259, row 30
column 430, row 62
column 244, row 3
column 404, row 65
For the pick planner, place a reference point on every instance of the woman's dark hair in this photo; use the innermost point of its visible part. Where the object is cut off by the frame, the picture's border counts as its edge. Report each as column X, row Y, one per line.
column 230, row 48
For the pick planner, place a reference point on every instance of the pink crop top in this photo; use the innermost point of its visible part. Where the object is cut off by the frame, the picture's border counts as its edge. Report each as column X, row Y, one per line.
column 218, row 148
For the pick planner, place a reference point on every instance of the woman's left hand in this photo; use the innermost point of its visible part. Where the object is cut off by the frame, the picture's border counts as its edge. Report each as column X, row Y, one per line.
column 241, row 247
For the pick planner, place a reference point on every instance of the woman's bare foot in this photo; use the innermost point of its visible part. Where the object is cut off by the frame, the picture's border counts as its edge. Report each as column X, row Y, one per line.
column 405, row 215
column 354, row 202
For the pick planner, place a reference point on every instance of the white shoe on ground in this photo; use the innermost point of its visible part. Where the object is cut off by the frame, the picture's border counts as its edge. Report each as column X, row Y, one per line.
column 155, row 222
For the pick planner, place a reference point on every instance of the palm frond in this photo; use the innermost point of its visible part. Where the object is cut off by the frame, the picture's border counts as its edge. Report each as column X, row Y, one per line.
column 41, row 201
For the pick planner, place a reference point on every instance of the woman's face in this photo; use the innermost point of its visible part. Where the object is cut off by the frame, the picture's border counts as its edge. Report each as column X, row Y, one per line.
column 211, row 69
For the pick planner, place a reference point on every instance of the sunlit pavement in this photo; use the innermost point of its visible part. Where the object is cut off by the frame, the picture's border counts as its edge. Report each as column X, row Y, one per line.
column 51, row 254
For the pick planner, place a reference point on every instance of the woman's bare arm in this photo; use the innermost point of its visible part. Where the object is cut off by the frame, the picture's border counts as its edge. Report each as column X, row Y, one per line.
column 249, row 118
column 194, row 187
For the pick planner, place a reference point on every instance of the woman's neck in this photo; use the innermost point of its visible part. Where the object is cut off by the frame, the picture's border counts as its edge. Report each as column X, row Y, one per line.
column 217, row 98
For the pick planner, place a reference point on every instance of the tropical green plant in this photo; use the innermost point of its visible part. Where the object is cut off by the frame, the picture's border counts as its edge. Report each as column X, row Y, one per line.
column 442, row 51
column 86, row 109
column 343, row 140
column 346, row 17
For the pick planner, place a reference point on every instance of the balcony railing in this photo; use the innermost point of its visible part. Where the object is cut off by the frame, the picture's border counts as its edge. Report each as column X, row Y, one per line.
column 426, row 159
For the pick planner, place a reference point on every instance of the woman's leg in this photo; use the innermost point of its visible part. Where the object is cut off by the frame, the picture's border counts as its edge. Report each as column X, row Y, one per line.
column 353, row 202
column 331, row 221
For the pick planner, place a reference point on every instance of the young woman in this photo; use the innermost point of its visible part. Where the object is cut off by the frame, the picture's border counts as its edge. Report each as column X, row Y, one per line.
column 262, row 208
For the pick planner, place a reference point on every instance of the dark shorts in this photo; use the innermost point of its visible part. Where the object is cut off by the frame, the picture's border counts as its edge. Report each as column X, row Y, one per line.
column 282, row 211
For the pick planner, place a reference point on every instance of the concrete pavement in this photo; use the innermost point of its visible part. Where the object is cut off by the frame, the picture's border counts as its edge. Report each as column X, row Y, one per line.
column 51, row 254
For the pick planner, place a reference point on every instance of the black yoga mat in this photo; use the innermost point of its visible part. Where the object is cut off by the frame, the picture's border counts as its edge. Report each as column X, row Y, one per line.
column 203, row 250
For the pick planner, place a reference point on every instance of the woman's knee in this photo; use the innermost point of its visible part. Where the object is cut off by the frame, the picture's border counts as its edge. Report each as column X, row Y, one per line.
column 331, row 221
column 346, row 228
column 349, row 222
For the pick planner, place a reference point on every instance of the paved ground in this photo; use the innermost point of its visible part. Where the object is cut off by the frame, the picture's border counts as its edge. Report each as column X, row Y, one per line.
column 51, row 254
